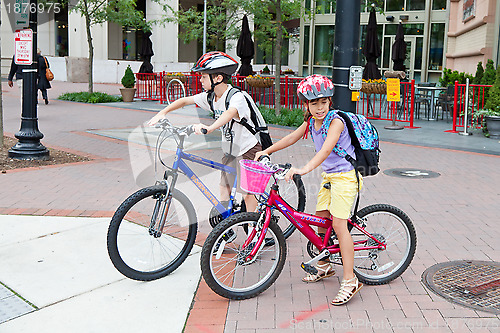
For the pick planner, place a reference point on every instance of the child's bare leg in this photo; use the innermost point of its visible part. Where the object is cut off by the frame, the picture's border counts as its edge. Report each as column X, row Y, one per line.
column 324, row 267
column 225, row 193
column 346, row 246
column 250, row 202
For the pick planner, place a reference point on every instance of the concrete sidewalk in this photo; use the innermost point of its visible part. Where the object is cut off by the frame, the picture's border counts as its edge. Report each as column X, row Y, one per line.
column 455, row 214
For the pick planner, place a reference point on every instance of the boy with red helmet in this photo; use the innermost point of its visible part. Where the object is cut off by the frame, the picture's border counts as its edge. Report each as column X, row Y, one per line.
column 337, row 198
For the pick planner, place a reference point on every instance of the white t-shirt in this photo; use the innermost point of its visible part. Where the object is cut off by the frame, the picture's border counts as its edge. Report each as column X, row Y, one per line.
column 243, row 140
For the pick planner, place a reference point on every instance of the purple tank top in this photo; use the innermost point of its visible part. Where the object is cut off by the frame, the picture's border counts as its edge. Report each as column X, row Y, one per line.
column 334, row 163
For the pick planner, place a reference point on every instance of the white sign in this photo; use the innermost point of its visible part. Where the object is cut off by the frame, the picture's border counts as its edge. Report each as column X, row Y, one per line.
column 24, row 47
column 355, row 77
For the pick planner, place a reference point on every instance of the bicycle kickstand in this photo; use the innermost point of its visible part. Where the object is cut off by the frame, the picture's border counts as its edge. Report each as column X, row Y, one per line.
column 308, row 267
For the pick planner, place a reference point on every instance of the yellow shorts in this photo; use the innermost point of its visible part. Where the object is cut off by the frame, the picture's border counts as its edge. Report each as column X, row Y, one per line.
column 340, row 198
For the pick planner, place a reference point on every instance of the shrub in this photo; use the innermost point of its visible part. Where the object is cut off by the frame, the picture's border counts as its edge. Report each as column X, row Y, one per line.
column 489, row 73
column 493, row 101
column 293, row 117
column 86, row 97
column 479, row 73
column 128, row 79
column 449, row 77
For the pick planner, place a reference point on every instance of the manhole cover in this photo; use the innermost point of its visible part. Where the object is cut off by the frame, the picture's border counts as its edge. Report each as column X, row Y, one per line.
column 474, row 284
column 411, row 173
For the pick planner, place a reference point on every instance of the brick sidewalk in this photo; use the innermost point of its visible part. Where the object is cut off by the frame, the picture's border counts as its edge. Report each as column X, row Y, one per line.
column 455, row 216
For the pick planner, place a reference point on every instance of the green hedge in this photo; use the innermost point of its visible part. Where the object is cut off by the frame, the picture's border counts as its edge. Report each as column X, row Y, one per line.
column 293, row 117
column 86, row 97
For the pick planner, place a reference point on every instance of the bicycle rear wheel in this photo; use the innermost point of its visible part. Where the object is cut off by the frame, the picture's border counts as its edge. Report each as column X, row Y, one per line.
column 391, row 226
column 223, row 263
column 134, row 249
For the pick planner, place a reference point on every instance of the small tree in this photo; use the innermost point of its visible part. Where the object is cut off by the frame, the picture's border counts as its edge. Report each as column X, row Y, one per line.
column 479, row 73
column 128, row 79
column 489, row 73
column 493, row 101
column 97, row 12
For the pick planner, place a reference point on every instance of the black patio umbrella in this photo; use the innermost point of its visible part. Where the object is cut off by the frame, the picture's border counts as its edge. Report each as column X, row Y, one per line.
column 399, row 50
column 245, row 49
column 371, row 49
column 146, row 53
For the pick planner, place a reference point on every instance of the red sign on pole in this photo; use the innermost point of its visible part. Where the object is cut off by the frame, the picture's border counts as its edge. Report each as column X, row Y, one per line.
column 24, row 47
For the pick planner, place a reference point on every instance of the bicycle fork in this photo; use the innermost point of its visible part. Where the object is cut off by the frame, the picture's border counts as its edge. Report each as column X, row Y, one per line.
column 162, row 206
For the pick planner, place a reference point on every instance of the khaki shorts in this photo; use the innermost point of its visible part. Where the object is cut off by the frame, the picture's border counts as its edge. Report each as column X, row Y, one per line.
column 232, row 161
column 340, row 197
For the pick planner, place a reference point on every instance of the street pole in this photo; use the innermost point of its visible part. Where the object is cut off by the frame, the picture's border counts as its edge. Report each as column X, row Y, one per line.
column 345, row 51
column 204, row 26
column 29, row 146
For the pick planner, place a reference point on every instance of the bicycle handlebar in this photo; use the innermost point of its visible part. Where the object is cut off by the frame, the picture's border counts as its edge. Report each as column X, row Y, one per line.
column 204, row 131
column 166, row 125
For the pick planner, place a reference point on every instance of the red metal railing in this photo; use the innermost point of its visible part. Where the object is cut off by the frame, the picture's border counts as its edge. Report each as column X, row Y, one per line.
column 476, row 102
column 375, row 106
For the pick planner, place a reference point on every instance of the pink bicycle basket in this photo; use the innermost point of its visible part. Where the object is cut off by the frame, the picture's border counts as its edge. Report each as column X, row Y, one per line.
column 254, row 176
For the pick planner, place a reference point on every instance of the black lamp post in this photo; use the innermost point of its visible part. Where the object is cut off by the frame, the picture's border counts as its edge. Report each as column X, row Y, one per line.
column 29, row 146
column 345, row 51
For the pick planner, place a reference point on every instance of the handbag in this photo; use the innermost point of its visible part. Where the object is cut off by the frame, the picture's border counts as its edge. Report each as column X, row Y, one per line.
column 48, row 73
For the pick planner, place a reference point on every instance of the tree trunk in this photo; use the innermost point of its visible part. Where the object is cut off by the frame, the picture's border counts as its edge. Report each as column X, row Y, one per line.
column 91, row 47
column 277, row 60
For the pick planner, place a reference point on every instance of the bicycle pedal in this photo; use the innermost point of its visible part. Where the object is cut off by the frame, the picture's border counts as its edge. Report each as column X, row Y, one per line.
column 309, row 269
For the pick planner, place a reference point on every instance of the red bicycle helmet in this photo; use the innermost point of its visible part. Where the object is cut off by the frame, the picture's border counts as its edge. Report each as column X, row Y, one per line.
column 216, row 62
column 314, row 87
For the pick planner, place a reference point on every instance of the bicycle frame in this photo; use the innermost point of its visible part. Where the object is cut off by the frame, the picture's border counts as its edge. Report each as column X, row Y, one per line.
column 303, row 221
column 180, row 164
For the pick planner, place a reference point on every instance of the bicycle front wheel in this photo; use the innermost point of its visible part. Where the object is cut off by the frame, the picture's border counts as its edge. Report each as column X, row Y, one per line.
column 391, row 226
column 224, row 258
column 136, row 247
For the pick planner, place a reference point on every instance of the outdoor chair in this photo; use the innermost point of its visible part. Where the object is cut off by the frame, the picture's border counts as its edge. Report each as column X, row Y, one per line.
column 423, row 97
column 446, row 101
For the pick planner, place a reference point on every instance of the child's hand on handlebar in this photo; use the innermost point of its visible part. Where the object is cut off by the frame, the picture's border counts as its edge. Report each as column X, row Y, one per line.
column 198, row 129
column 259, row 154
column 291, row 172
column 155, row 119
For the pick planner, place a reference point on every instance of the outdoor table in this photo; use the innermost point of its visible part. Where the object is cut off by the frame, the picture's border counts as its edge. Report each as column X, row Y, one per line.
column 432, row 91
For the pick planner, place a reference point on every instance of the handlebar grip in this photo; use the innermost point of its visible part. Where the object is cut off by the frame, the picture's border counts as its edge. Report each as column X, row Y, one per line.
column 204, row 131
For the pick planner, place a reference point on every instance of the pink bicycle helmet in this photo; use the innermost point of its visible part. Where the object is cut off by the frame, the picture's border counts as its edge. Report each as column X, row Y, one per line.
column 216, row 62
column 314, row 87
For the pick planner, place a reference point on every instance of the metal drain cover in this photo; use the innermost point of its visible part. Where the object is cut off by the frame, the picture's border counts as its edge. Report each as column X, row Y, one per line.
column 411, row 173
column 474, row 284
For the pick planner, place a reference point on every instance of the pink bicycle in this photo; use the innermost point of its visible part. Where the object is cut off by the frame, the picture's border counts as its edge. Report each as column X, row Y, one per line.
column 384, row 242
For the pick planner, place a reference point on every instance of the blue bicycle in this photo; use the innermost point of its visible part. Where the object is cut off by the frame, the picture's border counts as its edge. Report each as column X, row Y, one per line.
column 153, row 231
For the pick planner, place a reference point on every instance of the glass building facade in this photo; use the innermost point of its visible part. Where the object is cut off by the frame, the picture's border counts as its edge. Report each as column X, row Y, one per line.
column 425, row 24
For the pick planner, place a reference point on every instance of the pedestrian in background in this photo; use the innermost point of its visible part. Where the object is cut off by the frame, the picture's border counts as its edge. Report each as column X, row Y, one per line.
column 43, row 83
column 16, row 70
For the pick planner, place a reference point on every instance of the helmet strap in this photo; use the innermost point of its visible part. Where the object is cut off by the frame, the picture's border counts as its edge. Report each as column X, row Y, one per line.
column 212, row 83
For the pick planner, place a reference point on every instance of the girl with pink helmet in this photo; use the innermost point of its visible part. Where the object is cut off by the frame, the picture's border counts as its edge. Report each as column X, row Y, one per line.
column 339, row 185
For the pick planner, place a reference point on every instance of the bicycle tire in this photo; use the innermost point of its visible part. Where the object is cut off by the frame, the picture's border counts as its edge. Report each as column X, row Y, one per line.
column 129, row 235
column 223, row 266
column 392, row 226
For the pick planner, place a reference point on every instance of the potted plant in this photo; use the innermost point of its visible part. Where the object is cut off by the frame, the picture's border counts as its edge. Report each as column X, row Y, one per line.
column 257, row 81
column 265, row 70
column 491, row 112
column 128, row 82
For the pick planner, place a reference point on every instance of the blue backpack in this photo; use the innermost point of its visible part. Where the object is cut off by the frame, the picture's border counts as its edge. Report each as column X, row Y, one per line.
column 364, row 138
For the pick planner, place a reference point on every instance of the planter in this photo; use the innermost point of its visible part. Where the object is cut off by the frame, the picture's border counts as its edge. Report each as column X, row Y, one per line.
column 493, row 126
column 259, row 83
column 128, row 94
column 167, row 79
column 374, row 88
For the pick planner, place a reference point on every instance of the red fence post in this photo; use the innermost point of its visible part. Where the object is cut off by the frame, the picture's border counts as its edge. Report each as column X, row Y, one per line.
column 286, row 91
column 455, row 106
column 412, row 103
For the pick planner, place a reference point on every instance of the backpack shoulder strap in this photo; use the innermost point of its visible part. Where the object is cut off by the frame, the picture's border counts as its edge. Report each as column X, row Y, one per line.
column 210, row 100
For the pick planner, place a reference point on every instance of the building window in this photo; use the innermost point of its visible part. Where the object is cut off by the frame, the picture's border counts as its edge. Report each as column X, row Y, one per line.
column 436, row 46
column 305, row 55
column 266, row 55
column 439, row 4
column 61, row 23
column 395, row 5
column 325, row 7
column 409, row 29
column 132, row 37
column 416, row 4
column 323, row 45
